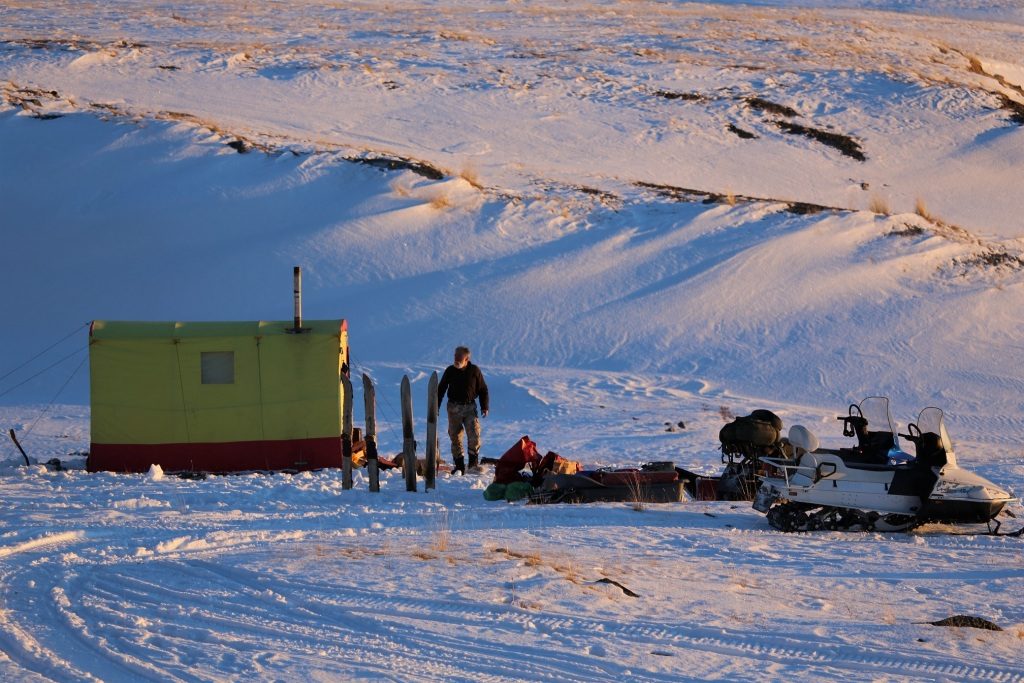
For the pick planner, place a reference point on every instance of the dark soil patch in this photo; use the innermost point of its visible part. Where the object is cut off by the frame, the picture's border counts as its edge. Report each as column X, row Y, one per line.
column 684, row 194
column 806, row 209
column 602, row 194
column 173, row 115
column 129, row 44
column 995, row 259
column 395, row 164
column 679, row 194
column 739, row 132
column 240, row 146
column 964, row 621
column 908, row 230
column 48, row 44
column 29, row 96
column 685, row 96
column 168, row 67
column 762, row 104
column 1016, row 110
column 618, row 585
column 31, row 100
column 844, row 143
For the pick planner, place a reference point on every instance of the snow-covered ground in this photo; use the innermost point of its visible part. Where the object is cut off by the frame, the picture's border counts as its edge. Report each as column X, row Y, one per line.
column 636, row 213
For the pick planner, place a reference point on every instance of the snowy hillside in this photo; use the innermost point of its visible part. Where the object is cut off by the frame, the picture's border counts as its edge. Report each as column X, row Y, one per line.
column 636, row 213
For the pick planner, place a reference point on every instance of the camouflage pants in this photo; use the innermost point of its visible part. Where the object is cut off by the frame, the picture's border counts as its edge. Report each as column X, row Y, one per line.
column 462, row 417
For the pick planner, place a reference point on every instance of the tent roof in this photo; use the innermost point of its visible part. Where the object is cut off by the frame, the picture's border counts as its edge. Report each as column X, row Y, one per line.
column 122, row 329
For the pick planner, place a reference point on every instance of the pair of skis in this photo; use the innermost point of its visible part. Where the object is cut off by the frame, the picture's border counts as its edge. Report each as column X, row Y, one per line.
column 409, row 463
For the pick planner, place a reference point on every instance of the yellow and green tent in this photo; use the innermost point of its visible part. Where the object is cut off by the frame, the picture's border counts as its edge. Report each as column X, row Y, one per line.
column 216, row 396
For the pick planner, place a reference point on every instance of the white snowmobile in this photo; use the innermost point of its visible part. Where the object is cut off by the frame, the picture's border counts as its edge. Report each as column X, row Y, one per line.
column 875, row 485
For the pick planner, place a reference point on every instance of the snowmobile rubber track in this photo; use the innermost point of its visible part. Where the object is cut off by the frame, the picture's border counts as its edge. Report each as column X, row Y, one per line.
column 792, row 516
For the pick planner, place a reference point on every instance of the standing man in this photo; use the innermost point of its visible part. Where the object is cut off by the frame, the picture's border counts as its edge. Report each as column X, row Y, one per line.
column 464, row 384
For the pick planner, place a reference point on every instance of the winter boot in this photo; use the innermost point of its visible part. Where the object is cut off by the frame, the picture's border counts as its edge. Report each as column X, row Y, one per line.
column 474, row 461
column 459, row 466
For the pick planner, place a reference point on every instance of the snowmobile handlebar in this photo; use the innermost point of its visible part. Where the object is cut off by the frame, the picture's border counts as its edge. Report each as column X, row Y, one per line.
column 852, row 424
column 853, row 420
column 910, row 435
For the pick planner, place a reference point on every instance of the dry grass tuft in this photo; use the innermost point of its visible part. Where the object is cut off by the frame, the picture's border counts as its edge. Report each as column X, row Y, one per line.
column 533, row 558
column 637, row 493
column 879, row 205
column 442, row 534
column 730, row 198
column 470, row 175
column 571, row 573
column 921, row 209
column 400, row 188
column 441, row 201
column 908, row 230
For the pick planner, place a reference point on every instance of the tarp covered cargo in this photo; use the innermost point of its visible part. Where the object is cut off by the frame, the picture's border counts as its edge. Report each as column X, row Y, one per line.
column 216, row 396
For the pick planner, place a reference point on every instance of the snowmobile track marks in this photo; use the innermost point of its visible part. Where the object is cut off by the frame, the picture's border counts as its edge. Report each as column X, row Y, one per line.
column 408, row 631
column 780, row 649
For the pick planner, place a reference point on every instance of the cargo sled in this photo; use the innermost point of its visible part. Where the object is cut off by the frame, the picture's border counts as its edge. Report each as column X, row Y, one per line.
column 658, row 482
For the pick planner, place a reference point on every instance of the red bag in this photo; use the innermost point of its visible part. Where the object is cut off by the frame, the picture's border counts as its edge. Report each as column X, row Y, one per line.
column 524, row 453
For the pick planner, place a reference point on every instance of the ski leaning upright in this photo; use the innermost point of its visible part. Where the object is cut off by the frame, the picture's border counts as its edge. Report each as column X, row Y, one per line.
column 431, row 463
column 346, row 433
column 408, row 438
column 370, row 410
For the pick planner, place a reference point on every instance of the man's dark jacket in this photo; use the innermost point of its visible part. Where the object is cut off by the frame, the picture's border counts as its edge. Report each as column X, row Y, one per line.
column 463, row 386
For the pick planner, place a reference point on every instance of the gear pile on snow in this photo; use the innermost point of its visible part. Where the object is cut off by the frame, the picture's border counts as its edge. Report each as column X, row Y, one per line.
column 744, row 442
column 554, row 479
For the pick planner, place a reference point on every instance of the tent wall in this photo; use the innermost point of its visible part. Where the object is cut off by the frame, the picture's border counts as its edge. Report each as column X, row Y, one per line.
column 278, row 408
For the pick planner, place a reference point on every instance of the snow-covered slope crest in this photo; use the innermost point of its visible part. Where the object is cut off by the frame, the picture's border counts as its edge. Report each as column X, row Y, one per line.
column 735, row 293
column 832, row 105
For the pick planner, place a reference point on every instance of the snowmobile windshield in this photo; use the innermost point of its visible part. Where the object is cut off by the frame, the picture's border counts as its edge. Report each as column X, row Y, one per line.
column 875, row 410
column 931, row 421
column 881, row 438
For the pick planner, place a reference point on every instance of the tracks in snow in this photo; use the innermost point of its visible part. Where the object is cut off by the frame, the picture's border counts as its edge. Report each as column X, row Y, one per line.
column 208, row 618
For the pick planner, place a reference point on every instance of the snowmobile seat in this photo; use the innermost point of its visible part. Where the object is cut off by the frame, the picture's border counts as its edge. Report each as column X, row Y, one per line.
column 802, row 440
column 873, row 449
column 929, row 450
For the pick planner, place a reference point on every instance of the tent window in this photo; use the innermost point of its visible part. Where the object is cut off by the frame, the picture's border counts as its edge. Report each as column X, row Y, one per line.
column 218, row 367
